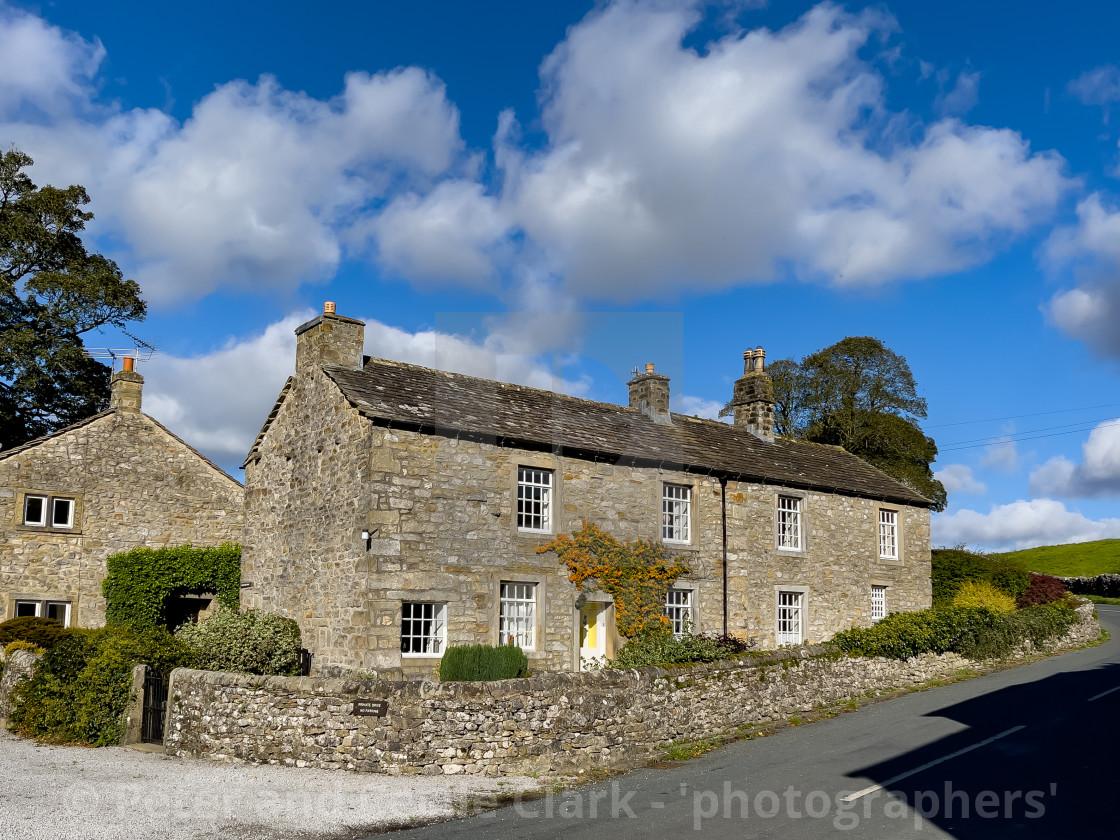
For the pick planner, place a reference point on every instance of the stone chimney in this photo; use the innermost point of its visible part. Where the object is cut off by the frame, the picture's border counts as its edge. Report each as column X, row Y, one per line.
column 329, row 339
column 649, row 392
column 126, row 388
column 753, row 400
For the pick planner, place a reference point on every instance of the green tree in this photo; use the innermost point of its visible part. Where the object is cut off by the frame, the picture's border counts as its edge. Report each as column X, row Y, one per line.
column 861, row 395
column 52, row 292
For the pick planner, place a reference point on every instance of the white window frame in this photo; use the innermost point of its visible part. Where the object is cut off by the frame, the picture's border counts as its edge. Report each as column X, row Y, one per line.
column 44, row 510
column 433, row 642
column 517, row 613
column 534, row 482
column 888, row 534
column 65, row 610
column 38, row 605
column 789, row 617
column 878, row 602
column 69, row 523
column 787, row 524
column 676, row 513
column 678, row 608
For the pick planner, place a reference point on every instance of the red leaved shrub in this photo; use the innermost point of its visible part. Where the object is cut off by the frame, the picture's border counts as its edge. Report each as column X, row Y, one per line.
column 1043, row 589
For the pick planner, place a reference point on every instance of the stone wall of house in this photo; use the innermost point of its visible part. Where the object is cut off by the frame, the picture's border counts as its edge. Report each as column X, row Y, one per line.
column 443, row 516
column 550, row 723
column 134, row 484
column 20, row 665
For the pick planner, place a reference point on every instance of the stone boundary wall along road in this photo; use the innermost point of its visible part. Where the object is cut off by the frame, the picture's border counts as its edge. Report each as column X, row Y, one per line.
column 550, row 723
column 1103, row 586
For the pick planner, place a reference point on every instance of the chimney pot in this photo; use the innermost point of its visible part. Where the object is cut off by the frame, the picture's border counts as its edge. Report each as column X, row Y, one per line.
column 649, row 392
column 329, row 339
column 753, row 400
column 128, row 362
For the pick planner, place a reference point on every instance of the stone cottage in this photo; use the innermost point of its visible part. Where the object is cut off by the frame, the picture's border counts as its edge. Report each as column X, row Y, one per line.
column 107, row 484
column 393, row 510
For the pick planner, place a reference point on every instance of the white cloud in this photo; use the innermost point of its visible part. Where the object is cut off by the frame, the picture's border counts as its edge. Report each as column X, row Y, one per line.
column 1002, row 456
column 1021, row 524
column 958, row 478
column 217, row 401
column 1098, row 474
column 1098, row 86
column 255, row 189
column 1091, row 310
column 668, row 168
column 665, row 168
column 962, row 97
column 449, row 234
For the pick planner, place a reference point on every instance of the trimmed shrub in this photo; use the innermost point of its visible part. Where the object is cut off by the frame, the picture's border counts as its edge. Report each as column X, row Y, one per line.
column 974, row 632
column 44, row 632
column 980, row 593
column 653, row 649
column 247, row 642
column 483, row 663
column 140, row 581
column 952, row 567
column 1038, row 625
column 905, row 634
column 1043, row 589
column 83, row 684
column 22, row 645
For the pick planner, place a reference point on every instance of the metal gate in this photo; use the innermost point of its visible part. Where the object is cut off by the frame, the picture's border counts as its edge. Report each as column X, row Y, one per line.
column 155, row 706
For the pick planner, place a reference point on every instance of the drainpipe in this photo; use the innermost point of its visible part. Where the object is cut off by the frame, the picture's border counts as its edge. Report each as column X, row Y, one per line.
column 723, row 518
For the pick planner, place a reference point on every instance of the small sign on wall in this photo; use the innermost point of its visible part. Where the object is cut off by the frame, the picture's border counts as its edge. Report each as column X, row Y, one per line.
column 374, row 708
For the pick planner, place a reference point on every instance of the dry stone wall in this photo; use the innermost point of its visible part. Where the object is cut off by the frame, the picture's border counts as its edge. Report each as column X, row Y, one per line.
column 550, row 723
column 20, row 665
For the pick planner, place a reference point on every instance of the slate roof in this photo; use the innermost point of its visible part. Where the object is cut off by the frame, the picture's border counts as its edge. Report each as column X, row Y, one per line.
column 402, row 395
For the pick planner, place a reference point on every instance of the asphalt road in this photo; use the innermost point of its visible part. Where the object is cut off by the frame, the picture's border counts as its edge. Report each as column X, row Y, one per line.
column 1025, row 753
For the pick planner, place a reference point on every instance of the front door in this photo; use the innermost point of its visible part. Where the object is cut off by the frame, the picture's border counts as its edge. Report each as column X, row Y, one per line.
column 592, row 633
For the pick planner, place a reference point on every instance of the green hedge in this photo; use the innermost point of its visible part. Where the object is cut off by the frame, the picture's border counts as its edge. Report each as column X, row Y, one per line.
column 953, row 566
column 654, row 649
column 481, row 663
column 140, row 581
column 246, row 642
column 44, row 632
column 974, row 632
column 83, row 684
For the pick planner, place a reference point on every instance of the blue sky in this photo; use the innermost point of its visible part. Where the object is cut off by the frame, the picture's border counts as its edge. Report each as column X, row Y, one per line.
column 554, row 193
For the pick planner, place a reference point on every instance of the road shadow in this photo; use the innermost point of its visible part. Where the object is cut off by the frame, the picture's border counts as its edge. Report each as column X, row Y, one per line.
column 1048, row 771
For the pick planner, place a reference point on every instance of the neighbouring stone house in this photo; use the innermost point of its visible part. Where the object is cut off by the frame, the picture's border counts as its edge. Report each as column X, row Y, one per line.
column 393, row 510
column 107, row 484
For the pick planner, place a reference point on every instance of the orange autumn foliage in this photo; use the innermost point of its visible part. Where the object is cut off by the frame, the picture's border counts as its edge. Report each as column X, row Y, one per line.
column 636, row 573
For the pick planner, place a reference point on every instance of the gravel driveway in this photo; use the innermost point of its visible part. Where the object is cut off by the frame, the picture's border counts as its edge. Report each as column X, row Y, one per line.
column 108, row 793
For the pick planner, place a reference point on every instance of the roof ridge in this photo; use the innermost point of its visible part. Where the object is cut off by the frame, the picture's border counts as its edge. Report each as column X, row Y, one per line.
column 559, row 394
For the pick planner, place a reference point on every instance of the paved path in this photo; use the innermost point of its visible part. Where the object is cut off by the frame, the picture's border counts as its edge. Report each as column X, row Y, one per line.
column 1026, row 753
column 109, row 793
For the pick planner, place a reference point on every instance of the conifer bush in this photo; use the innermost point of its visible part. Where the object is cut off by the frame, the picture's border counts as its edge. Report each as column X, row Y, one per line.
column 483, row 663
column 44, row 632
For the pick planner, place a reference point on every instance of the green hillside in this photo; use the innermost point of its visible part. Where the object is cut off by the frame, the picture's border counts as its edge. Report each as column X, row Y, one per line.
column 1091, row 558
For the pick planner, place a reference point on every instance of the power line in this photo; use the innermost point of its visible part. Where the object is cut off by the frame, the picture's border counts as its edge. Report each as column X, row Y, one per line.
column 1014, row 439
column 1088, row 424
column 1019, row 416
